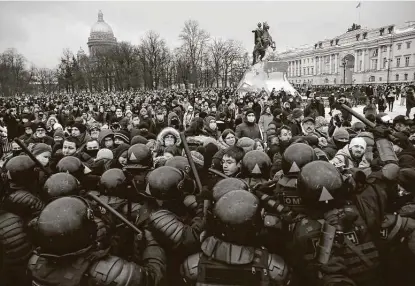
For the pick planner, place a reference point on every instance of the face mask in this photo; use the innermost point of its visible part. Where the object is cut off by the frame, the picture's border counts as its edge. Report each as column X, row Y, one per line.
column 92, row 153
column 212, row 126
column 160, row 117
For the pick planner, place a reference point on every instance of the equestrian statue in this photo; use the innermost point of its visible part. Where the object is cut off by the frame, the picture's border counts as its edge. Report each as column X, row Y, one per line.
column 263, row 40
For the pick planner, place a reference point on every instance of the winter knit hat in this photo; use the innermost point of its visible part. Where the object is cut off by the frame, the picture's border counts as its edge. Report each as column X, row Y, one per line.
column 40, row 125
column 40, row 148
column 370, row 140
column 59, row 133
column 246, row 143
column 208, row 119
column 123, row 135
column 297, row 113
column 138, row 139
column 105, row 154
column 357, row 141
column 81, row 127
column 249, row 111
column 341, row 135
column 198, row 158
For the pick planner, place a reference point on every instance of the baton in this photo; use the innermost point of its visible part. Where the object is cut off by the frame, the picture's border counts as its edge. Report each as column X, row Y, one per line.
column 195, row 174
column 358, row 116
column 114, row 212
column 216, row 172
column 28, row 153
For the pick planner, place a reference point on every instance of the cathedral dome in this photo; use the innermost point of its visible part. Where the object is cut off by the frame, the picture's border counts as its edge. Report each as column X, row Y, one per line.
column 101, row 29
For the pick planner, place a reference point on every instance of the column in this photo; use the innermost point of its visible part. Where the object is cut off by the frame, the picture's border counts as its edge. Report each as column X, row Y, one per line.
column 289, row 68
column 355, row 61
column 315, row 66
column 363, row 60
column 330, row 65
column 320, row 65
column 388, row 56
column 379, row 58
column 336, row 63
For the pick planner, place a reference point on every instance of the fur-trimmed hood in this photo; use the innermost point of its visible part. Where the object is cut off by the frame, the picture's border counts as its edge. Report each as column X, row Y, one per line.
column 169, row 130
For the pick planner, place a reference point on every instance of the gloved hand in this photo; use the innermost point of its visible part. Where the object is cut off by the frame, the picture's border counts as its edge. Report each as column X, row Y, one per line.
column 380, row 132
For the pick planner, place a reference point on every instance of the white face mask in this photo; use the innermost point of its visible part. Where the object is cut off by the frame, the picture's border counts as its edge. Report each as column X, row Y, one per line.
column 212, row 126
column 250, row 118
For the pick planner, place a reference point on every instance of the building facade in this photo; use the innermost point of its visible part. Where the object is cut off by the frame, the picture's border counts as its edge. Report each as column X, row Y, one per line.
column 359, row 56
column 101, row 36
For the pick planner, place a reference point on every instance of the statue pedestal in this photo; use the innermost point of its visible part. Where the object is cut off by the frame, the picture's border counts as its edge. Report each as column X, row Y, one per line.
column 267, row 75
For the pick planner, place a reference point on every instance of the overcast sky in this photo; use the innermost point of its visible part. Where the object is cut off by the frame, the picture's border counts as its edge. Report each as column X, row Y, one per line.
column 41, row 30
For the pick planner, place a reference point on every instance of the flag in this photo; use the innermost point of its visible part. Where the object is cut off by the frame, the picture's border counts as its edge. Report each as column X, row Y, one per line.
column 358, row 5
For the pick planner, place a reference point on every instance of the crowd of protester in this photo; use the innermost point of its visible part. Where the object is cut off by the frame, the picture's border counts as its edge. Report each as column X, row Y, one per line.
column 246, row 136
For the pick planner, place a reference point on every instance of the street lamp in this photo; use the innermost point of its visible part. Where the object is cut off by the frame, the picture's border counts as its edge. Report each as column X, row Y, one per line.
column 389, row 69
column 344, row 63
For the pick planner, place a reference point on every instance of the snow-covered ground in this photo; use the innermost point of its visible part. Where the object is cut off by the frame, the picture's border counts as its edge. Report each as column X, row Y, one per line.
column 397, row 110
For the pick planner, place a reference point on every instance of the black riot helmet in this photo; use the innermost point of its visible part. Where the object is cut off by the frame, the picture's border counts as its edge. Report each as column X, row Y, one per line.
column 256, row 164
column 167, row 183
column 65, row 227
column 295, row 157
column 71, row 165
column 237, row 217
column 113, row 182
column 20, row 169
column 321, row 184
column 227, row 185
column 139, row 157
column 60, row 185
column 180, row 163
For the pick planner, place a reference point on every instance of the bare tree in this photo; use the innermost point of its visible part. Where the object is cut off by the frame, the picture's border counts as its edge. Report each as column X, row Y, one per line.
column 194, row 41
column 46, row 78
column 217, row 54
column 14, row 77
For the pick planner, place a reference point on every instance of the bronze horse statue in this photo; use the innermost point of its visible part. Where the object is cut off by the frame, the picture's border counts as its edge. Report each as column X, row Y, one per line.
column 263, row 40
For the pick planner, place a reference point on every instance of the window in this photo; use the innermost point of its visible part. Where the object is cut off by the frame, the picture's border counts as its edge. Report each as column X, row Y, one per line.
column 375, row 53
column 308, row 70
column 397, row 77
column 407, row 61
column 384, row 49
column 380, row 78
column 374, row 64
column 399, row 46
column 360, row 65
column 359, row 52
column 326, row 80
column 304, row 71
column 372, row 78
column 312, row 70
column 408, row 45
column 406, row 76
column 385, row 61
column 398, row 62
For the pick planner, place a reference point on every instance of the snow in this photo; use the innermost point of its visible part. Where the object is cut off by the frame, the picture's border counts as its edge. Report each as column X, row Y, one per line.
column 397, row 110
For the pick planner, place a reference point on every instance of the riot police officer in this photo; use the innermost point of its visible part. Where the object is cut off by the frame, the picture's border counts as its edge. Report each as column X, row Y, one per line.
column 255, row 168
column 67, row 253
column 228, row 255
column 21, row 193
column 168, row 219
column 294, row 158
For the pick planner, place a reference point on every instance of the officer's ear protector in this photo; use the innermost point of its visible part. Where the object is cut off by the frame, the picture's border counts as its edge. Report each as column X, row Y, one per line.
column 90, row 217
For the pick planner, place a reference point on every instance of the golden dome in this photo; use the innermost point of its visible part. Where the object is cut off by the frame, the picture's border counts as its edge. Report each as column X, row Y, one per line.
column 101, row 29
